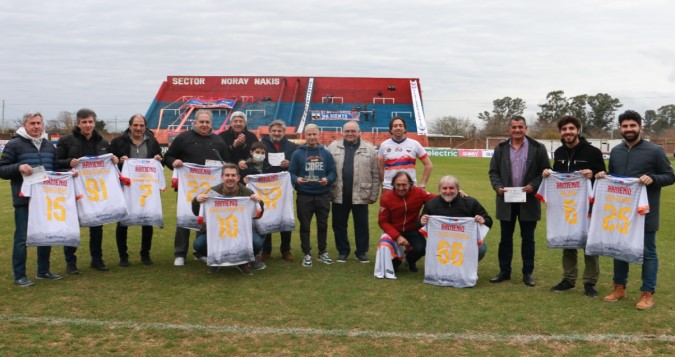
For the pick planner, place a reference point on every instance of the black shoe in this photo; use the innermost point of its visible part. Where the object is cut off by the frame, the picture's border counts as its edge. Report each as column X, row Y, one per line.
column 146, row 261
column 71, row 269
column 413, row 267
column 124, row 262
column 589, row 290
column 99, row 265
column 362, row 258
column 562, row 286
column 501, row 277
column 527, row 279
column 49, row 276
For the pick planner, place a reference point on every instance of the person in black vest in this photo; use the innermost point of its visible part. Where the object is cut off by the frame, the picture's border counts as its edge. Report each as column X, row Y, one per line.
column 135, row 143
column 85, row 141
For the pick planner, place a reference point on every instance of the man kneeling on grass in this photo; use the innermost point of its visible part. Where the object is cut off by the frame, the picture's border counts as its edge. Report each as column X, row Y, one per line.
column 231, row 187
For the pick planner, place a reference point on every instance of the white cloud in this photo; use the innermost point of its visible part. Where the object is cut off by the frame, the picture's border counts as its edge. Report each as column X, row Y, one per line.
column 113, row 56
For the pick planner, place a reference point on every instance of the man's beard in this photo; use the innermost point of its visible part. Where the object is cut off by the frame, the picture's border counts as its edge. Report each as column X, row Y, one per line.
column 633, row 139
column 449, row 198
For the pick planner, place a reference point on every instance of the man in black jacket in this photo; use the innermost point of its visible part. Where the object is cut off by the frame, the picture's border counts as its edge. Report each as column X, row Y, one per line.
column 450, row 203
column 135, row 143
column 576, row 154
column 238, row 139
column 85, row 141
column 277, row 144
column 194, row 146
column 517, row 164
column 29, row 149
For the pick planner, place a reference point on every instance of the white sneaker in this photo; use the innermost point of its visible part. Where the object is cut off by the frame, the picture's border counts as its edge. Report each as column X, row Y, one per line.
column 179, row 261
column 325, row 258
column 307, row 262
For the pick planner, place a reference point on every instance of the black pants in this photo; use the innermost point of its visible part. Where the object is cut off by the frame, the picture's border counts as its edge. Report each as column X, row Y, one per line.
column 308, row 206
column 340, row 223
column 418, row 244
column 285, row 242
column 181, row 242
column 121, row 238
column 95, row 247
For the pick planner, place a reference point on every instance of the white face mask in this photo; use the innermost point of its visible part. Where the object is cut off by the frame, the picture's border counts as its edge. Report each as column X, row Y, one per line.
column 258, row 158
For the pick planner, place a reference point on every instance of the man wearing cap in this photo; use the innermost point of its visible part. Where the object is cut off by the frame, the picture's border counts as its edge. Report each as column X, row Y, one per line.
column 238, row 139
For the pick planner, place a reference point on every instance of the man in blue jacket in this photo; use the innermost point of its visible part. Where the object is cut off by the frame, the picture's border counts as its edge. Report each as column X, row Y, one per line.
column 312, row 170
column 636, row 157
column 27, row 150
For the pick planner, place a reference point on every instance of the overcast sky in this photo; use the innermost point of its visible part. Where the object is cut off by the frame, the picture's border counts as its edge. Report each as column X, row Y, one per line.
column 112, row 56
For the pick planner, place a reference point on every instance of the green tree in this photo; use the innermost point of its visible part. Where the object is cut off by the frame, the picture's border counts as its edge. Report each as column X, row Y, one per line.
column 502, row 110
column 556, row 106
column 649, row 120
column 667, row 113
column 100, row 126
column 602, row 110
column 577, row 107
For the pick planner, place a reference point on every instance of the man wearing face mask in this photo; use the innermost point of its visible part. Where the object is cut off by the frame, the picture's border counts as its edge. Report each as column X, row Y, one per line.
column 277, row 144
column 238, row 139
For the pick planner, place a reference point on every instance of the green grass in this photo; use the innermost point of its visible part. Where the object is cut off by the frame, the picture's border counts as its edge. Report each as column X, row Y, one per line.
column 326, row 310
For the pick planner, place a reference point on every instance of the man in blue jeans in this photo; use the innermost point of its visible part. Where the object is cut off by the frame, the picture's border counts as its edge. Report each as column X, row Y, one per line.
column 231, row 187
column 27, row 150
column 636, row 157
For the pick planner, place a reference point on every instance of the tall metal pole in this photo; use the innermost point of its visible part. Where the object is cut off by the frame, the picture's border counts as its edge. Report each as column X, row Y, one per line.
column 3, row 117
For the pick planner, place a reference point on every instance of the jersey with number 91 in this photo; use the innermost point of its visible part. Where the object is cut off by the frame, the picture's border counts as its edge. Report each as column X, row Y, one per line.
column 618, row 219
column 52, row 212
column 98, row 181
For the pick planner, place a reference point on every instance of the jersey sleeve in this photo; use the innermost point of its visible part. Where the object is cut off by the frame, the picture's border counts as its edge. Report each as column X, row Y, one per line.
column 25, row 189
column 541, row 192
column 420, row 151
column 643, row 202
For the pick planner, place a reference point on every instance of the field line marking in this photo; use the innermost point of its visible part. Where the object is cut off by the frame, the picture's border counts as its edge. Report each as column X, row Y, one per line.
column 335, row 332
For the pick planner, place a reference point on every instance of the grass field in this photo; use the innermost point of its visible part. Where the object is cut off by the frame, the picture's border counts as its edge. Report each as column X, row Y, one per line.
column 326, row 310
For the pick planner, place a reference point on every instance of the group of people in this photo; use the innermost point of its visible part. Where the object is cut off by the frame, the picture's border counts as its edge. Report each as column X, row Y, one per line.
column 346, row 177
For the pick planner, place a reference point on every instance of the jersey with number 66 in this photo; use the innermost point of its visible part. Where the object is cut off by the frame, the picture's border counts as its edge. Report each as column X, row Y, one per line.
column 567, row 198
column 618, row 219
column 102, row 200
column 143, row 181
column 52, row 211
column 452, row 251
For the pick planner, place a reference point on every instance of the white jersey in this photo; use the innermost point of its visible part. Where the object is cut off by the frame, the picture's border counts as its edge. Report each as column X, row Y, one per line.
column 143, row 181
column 452, row 251
column 276, row 192
column 567, row 197
column 229, row 230
column 387, row 251
column 191, row 180
column 98, row 180
column 399, row 157
column 52, row 211
column 618, row 219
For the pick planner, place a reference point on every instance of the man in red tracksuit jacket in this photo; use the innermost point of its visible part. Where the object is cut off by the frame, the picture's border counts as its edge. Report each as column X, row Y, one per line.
column 399, row 217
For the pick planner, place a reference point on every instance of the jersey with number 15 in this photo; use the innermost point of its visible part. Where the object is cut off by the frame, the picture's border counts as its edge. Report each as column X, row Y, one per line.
column 52, row 211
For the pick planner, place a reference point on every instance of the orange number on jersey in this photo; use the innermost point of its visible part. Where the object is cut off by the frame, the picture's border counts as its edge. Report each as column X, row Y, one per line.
column 195, row 189
column 270, row 196
column 570, row 207
column 55, row 209
column 146, row 190
column 228, row 226
column 96, row 190
column 623, row 225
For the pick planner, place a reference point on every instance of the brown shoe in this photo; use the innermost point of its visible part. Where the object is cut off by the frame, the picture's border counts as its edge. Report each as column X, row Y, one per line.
column 646, row 300
column 287, row 256
column 618, row 293
column 264, row 256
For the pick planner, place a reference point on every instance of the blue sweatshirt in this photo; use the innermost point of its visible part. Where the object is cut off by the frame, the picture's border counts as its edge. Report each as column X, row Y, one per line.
column 316, row 159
